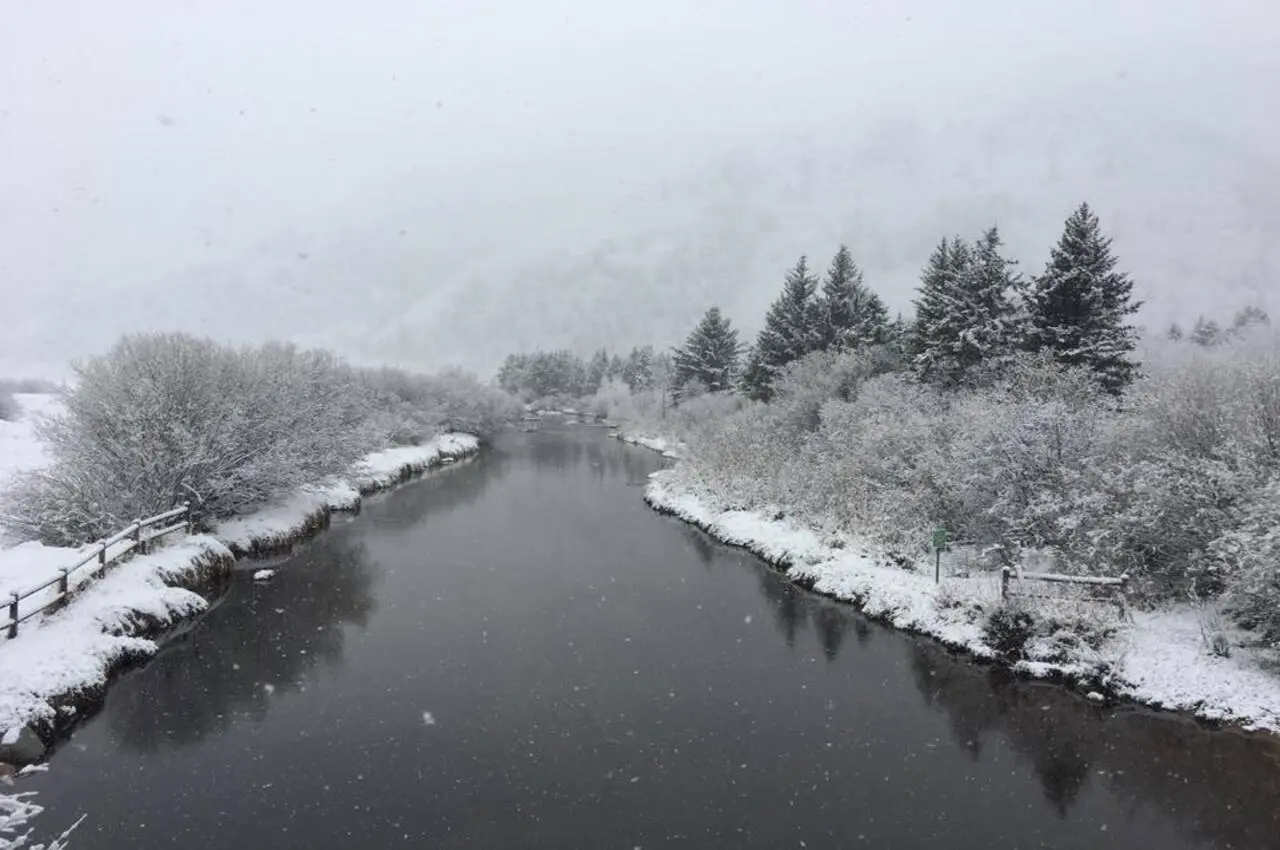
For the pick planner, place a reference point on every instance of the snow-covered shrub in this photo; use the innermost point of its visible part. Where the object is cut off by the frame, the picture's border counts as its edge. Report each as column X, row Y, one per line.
column 1008, row 629
column 10, row 410
column 410, row 409
column 167, row 418
column 464, row 404
column 1248, row 560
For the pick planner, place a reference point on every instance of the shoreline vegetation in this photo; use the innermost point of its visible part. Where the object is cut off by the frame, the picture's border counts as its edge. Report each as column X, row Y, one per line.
column 1155, row 658
column 1128, row 480
column 264, row 443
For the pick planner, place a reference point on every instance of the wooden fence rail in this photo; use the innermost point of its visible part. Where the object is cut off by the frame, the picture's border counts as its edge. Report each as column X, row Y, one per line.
column 1009, row 575
column 135, row 537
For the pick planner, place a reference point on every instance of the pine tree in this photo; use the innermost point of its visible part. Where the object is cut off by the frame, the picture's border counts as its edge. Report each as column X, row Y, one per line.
column 968, row 319
column 997, row 294
column 940, row 313
column 1249, row 316
column 1174, row 334
column 637, row 371
column 1206, row 333
column 615, row 368
column 1079, row 306
column 597, row 371
column 850, row 316
column 710, row 354
column 791, row 330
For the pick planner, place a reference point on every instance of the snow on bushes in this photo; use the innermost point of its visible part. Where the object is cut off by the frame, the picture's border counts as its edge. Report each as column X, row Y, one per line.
column 1176, row 484
column 167, row 418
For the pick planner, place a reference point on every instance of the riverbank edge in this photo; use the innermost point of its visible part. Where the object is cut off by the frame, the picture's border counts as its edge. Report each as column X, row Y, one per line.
column 57, row 673
column 908, row 601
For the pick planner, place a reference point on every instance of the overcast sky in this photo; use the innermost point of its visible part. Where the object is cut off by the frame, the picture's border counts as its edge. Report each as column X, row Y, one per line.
column 440, row 182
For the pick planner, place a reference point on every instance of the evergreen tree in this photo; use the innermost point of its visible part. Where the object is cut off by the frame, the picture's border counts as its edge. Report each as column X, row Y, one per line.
column 791, row 330
column 615, row 368
column 941, row 317
column 1174, row 334
column 710, row 354
column 968, row 318
column 753, row 376
column 637, row 371
column 597, row 371
column 1206, row 333
column 1079, row 306
column 1249, row 316
column 850, row 316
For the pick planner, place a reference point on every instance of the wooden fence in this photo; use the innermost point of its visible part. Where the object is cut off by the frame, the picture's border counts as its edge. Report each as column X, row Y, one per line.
column 1105, row 584
column 135, row 537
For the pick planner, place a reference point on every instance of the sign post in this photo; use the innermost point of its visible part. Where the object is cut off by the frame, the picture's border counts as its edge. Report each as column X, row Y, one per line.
column 939, row 541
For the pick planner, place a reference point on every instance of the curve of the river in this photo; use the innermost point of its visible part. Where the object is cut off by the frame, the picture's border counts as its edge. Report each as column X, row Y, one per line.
column 518, row 653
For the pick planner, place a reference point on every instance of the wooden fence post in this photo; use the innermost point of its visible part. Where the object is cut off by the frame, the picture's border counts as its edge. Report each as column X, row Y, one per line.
column 137, row 537
column 102, row 556
column 187, row 507
column 1004, row 583
column 64, row 588
column 13, row 615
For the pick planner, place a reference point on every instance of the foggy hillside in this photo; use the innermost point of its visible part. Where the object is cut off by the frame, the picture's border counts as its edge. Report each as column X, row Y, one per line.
column 610, row 198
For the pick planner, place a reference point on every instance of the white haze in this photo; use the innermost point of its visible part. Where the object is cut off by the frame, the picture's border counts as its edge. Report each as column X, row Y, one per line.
column 442, row 182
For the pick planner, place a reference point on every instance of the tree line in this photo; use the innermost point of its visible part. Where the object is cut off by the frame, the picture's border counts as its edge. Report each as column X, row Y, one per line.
column 974, row 312
column 548, row 374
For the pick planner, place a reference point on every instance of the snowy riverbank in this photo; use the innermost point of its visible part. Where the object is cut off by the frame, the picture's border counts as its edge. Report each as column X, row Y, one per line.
column 667, row 448
column 1158, row 658
column 59, row 665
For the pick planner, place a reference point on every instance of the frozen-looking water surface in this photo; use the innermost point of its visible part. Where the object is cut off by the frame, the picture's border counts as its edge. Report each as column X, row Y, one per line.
column 516, row 652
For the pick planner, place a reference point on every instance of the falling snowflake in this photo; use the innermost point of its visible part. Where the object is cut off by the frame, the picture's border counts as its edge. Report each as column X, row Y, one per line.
column 428, row 718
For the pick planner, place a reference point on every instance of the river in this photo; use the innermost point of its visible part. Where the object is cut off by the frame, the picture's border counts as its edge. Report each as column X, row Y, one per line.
column 516, row 652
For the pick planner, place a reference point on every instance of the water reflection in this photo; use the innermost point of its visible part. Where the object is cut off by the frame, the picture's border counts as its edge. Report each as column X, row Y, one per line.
column 1224, row 788
column 448, row 489
column 261, row 640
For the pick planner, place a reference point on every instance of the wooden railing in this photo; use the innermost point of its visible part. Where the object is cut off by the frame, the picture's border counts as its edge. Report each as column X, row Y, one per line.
column 1089, row 583
column 135, row 537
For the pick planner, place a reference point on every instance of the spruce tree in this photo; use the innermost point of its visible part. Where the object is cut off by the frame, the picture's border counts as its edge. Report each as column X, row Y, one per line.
column 940, row 313
column 1206, row 333
column 710, row 354
column 597, row 371
column 968, row 318
column 1079, row 306
column 637, row 371
column 791, row 330
column 850, row 316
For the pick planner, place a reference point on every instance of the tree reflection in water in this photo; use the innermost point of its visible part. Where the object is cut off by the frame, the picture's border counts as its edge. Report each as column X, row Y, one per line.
column 1160, row 762
column 448, row 489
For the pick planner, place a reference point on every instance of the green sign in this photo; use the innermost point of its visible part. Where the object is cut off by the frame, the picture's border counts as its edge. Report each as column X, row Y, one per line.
column 940, row 538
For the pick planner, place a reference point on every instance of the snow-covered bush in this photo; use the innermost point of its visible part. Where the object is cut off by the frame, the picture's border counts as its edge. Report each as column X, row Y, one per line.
column 464, row 404
column 10, row 410
column 1168, row 484
column 1248, row 559
column 167, row 418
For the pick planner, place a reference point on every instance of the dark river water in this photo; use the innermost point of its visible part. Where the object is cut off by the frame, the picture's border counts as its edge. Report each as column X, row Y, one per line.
column 516, row 652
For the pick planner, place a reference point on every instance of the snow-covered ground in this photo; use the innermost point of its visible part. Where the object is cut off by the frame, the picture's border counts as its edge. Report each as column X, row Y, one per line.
column 74, row 649
column 667, row 448
column 1158, row 658
column 19, row 448
column 384, row 469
